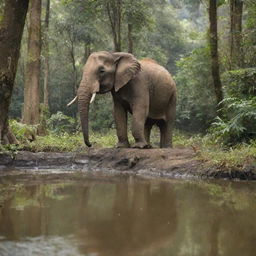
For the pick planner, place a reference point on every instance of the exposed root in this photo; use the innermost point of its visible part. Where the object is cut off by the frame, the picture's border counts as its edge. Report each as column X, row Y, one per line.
column 9, row 138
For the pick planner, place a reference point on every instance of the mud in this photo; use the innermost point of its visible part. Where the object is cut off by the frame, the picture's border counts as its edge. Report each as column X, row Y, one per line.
column 168, row 163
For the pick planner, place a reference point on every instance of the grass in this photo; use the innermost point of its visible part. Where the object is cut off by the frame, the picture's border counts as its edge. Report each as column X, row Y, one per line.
column 214, row 154
column 63, row 143
column 206, row 149
column 238, row 157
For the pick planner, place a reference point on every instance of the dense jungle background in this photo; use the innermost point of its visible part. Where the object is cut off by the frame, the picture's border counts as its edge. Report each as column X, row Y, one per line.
column 208, row 46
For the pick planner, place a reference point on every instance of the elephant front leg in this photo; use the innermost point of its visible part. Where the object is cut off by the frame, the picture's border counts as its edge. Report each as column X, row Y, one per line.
column 120, row 116
column 138, row 126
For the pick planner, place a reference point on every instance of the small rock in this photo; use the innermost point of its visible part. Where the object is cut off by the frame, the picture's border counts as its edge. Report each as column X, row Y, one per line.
column 81, row 161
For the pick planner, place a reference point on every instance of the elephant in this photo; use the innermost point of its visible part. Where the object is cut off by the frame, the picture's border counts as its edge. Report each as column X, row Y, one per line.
column 143, row 88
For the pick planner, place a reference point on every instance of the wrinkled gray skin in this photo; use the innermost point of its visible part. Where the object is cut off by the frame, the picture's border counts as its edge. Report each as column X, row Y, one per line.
column 143, row 88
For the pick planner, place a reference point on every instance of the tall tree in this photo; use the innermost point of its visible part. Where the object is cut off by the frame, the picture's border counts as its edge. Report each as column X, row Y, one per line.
column 236, row 15
column 130, row 38
column 46, row 54
column 72, row 53
column 11, row 30
column 213, row 39
column 250, row 34
column 136, row 15
column 32, row 73
column 115, row 12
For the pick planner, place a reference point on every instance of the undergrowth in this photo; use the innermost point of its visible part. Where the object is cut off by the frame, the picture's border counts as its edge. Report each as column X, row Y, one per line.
column 212, row 153
column 218, row 155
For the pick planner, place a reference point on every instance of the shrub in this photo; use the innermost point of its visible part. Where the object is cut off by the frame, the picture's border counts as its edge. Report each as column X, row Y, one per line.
column 101, row 114
column 23, row 132
column 239, row 112
column 59, row 123
column 239, row 122
column 240, row 83
column 196, row 100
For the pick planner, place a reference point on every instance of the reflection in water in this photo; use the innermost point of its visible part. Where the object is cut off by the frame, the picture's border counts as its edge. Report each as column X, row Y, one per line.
column 43, row 246
column 127, row 216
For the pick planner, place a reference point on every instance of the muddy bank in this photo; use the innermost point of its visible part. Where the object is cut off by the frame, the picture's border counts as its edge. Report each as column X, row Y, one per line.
column 169, row 163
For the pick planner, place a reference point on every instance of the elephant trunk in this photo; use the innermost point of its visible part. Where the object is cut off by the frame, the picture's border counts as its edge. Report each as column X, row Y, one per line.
column 84, row 97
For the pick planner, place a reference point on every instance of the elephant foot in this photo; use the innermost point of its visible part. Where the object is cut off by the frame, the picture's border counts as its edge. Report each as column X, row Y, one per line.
column 123, row 145
column 141, row 145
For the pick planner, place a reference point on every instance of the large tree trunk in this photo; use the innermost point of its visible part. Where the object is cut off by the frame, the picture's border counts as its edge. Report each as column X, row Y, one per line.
column 236, row 53
column 11, row 30
column 31, row 92
column 46, row 55
column 213, row 38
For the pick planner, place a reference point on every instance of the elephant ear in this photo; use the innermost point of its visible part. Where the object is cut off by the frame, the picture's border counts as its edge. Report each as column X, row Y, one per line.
column 127, row 68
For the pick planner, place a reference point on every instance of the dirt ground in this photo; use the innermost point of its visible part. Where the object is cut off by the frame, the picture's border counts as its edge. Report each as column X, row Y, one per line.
column 168, row 163
column 177, row 160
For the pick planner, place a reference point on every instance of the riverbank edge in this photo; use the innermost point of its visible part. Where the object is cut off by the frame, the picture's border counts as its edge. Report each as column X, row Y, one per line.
column 178, row 163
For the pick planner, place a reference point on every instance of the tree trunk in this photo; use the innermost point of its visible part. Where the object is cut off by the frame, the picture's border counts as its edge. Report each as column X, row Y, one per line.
column 236, row 14
column 87, row 52
column 213, row 38
column 119, row 23
column 11, row 30
column 130, row 39
column 114, row 11
column 31, row 92
column 46, row 55
column 73, row 60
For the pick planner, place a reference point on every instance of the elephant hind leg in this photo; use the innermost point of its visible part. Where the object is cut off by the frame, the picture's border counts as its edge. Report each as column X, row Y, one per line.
column 148, row 126
column 165, row 134
column 166, row 127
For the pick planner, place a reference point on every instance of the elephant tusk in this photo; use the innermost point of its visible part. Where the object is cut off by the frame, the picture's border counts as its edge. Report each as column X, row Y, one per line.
column 72, row 101
column 93, row 98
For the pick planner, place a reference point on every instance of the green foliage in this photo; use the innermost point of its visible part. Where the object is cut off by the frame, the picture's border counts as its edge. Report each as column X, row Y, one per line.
column 138, row 13
column 101, row 113
column 238, row 125
column 18, row 92
column 23, row 132
column 250, row 34
column 236, row 157
column 196, row 99
column 239, row 113
column 59, row 123
column 240, row 83
column 165, row 42
column 55, row 143
column 105, row 140
column 2, row 3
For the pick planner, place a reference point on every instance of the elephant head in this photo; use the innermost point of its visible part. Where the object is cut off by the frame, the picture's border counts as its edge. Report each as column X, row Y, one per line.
column 103, row 72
